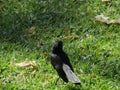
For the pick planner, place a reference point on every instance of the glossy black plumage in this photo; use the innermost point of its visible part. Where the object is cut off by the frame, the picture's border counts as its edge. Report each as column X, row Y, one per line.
column 61, row 63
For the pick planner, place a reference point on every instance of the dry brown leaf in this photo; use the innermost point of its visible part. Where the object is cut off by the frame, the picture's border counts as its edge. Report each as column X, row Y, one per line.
column 72, row 37
column 106, row 0
column 106, row 20
column 67, row 30
column 27, row 64
column 46, row 54
column 32, row 31
column 117, row 20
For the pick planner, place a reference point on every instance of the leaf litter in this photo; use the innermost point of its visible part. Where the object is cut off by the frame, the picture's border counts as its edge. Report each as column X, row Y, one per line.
column 107, row 20
column 27, row 64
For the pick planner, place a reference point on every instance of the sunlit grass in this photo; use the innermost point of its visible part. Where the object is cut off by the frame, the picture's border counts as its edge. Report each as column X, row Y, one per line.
column 28, row 30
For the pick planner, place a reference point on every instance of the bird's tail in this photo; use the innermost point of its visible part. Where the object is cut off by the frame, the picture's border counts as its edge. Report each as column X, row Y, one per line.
column 70, row 74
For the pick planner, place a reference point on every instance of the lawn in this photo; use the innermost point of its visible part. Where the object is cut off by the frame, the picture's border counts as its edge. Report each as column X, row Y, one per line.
column 28, row 29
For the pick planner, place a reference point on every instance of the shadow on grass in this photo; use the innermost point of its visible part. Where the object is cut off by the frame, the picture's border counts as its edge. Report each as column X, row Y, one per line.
column 78, row 87
column 17, row 18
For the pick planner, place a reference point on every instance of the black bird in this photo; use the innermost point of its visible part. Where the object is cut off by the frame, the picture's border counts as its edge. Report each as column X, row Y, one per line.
column 62, row 65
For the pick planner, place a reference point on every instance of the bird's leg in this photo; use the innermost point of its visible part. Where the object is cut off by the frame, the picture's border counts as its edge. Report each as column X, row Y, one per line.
column 57, row 81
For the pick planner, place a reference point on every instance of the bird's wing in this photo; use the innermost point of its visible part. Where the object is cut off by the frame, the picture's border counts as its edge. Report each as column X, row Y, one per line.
column 67, row 61
column 57, row 64
column 70, row 75
column 56, row 61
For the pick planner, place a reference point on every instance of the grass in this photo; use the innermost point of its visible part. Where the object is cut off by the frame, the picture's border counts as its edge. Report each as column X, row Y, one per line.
column 28, row 30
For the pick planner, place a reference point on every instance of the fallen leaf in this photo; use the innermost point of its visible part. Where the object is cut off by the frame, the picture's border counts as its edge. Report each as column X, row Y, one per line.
column 117, row 20
column 72, row 37
column 32, row 31
column 88, row 9
column 106, row 0
column 27, row 64
column 67, row 30
column 106, row 20
column 46, row 54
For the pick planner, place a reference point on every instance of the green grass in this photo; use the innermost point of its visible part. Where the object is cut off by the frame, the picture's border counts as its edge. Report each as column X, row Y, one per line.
column 94, row 54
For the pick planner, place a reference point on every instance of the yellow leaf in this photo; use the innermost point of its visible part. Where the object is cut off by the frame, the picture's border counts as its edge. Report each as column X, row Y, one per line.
column 26, row 64
column 67, row 30
column 88, row 9
column 72, row 37
column 106, row 20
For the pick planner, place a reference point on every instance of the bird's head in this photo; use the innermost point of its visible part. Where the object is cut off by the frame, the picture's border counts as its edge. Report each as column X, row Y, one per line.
column 57, row 47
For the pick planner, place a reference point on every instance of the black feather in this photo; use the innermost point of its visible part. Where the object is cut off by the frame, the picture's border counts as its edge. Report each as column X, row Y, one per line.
column 61, row 63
